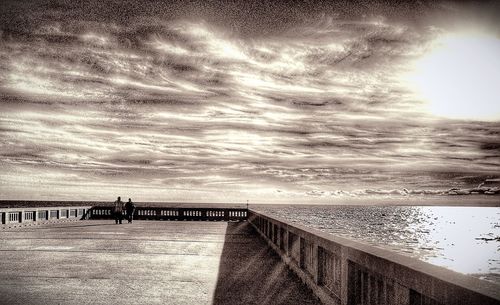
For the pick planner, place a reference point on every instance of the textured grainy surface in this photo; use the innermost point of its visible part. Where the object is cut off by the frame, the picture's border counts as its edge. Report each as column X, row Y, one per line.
column 148, row 262
column 300, row 101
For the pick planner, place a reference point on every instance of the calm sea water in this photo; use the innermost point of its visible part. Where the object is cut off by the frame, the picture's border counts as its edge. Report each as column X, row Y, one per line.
column 463, row 239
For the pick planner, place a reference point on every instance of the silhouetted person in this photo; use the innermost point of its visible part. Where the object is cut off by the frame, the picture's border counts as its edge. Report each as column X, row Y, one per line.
column 130, row 208
column 118, row 211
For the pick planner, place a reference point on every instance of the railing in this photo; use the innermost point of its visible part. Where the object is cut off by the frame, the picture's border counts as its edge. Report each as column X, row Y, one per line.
column 165, row 213
column 340, row 271
column 12, row 216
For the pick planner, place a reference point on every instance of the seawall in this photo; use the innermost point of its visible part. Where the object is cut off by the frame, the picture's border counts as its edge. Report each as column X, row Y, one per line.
column 341, row 271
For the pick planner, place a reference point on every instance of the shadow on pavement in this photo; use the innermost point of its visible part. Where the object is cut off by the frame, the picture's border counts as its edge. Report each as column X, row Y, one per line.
column 251, row 273
column 78, row 226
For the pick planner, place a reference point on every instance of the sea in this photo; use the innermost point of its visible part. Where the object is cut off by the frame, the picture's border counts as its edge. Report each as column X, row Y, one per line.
column 460, row 238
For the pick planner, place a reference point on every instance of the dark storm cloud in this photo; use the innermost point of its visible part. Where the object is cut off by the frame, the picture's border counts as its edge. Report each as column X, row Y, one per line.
column 250, row 17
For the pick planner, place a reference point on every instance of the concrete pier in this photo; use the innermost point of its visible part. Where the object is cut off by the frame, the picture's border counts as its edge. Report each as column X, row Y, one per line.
column 208, row 255
column 146, row 262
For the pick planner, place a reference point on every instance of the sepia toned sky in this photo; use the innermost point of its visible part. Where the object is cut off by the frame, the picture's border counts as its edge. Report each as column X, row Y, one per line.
column 228, row 101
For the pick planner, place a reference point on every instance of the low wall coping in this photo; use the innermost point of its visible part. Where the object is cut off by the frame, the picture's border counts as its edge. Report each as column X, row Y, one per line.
column 30, row 209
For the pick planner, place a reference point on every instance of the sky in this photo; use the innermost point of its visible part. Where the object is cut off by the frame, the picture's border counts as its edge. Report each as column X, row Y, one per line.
column 228, row 101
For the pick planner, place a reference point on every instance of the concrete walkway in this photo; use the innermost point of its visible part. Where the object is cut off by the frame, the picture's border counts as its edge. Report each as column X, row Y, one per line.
column 147, row 262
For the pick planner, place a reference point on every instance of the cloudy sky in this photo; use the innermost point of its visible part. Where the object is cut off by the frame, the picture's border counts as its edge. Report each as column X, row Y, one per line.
column 236, row 100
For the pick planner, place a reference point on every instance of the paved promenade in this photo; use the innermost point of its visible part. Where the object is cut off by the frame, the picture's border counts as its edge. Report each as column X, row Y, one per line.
column 147, row 262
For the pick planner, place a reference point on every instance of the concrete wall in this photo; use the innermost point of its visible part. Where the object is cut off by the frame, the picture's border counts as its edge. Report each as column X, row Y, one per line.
column 12, row 217
column 341, row 271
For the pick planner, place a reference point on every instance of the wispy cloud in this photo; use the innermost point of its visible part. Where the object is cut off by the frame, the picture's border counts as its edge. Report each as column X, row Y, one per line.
column 184, row 110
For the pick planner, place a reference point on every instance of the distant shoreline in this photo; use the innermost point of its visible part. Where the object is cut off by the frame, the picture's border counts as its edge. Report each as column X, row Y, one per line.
column 465, row 201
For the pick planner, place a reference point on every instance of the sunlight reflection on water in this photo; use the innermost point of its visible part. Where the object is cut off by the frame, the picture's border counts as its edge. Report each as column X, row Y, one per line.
column 463, row 239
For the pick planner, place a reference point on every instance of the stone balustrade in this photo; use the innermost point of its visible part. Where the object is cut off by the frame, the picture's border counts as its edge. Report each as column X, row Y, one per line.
column 166, row 213
column 24, row 216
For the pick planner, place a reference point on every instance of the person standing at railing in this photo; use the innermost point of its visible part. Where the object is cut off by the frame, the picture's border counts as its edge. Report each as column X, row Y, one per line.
column 130, row 208
column 118, row 211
